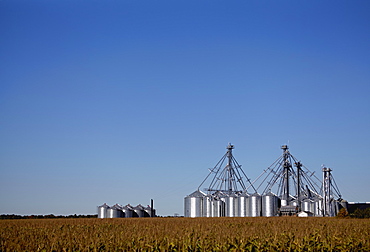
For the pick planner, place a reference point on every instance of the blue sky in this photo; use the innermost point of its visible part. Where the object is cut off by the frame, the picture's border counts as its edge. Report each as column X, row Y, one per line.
column 124, row 101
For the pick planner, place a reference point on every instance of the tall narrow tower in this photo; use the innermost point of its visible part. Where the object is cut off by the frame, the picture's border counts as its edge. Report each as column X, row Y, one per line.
column 326, row 191
column 229, row 168
column 330, row 192
column 286, row 174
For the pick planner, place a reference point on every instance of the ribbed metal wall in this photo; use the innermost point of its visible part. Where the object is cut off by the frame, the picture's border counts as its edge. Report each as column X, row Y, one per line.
column 218, row 208
column 270, row 205
column 307, row 205
column 231, row 205
column 114, row 212
column 102, row 211
column 317, row 207
column 139, row 211
column 128, row 211
column 194, row 204
column 198, row 204
column 255, row 205
column 208, row 206
column 243, row 207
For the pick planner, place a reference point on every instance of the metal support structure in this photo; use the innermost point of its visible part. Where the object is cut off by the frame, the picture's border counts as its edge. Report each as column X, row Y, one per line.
column 298, row 165
column 227, row 179
column 287, row 167
column 287, row 191
column 229, row 167
column 290, row 185
column 330, row 191
column 326, row 191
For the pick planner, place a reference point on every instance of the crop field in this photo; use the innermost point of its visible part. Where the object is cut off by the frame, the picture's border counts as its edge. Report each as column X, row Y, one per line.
column 186, row 234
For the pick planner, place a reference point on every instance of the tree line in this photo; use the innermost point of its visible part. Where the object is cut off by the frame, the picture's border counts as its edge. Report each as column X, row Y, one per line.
column 48, row 216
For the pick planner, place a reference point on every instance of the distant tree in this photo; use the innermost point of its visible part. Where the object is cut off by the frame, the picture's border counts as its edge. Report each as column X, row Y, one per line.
column 343, row 213
column 49, row 216
column 361, row 213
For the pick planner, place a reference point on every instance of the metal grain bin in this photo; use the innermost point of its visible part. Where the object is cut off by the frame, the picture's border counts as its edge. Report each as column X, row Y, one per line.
column 242, row 205
column 269, row 205
column 119, row 212
column 307, row 205
column 335, row 206
column 114, row 212
column 102, row 211
column 149, row 212
column 247, row 207
column 208, row 206
column 193, row 204
column 218, row 204
column 231, row 207
column 218, row 207
column 255, row 205
column 109, row 212
column 139, row 211
column 128, row 211
column 317, row 207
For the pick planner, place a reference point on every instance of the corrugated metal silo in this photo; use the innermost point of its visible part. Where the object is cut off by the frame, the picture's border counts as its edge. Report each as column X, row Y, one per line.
column 119, row 212
column 335, row 207
column 269, row 205
column 317, row 207
column 102, row 211
column 110, row 212
column 114, row 212
column 128, row 211
column 307, row 205
column 230, row 205
column 139, row 211
column 242, row 205
column 149, row 212
column 194, row 204
column 313, row 206
column 254, row 205
column 208, row 206
column 218, row 205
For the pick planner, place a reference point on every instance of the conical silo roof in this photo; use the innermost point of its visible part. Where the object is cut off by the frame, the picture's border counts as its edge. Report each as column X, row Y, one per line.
column 139, row 207
column 117, row 206
column 197, row 194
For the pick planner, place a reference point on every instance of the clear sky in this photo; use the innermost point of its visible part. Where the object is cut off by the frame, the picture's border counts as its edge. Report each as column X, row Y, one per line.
column 125, row 101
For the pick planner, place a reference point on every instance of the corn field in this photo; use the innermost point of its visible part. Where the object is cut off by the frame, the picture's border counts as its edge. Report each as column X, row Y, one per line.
column 186, row 234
